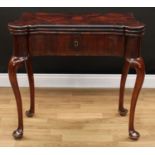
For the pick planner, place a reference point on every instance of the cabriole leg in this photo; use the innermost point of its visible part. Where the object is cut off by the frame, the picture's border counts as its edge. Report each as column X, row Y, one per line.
column 121, row 108
column 138, row 65
column 28, row 65
column 13, row 66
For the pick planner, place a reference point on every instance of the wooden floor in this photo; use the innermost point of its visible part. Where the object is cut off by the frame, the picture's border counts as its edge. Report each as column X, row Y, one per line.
column 77, row 117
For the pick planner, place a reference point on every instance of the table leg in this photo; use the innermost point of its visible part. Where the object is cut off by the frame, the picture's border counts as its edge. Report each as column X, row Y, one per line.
column 28, row 65
column 13, row 66
column 138, row 65
column 121, row 108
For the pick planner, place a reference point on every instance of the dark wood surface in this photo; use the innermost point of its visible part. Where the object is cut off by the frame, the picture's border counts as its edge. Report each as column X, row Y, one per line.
column 93, row 34
column 70, row 19
column 76, row 45
column 58, row 22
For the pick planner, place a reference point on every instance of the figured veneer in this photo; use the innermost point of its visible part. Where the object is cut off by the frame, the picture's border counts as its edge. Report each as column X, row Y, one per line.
column 76, row 44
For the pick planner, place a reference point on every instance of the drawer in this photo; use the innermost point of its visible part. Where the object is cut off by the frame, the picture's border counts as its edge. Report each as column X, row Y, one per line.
column 76, row 45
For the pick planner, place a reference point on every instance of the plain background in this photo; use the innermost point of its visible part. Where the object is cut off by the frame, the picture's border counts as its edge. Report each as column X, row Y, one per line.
column 97, row 65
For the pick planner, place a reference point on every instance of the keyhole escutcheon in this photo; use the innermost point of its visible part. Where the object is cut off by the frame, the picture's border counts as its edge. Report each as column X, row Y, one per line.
column 76, row 43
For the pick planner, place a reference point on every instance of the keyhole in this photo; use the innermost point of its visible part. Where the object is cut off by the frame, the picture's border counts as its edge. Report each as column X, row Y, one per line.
column 76, row 43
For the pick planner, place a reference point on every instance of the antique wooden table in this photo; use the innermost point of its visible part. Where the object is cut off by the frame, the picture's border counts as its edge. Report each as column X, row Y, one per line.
column 87, row 34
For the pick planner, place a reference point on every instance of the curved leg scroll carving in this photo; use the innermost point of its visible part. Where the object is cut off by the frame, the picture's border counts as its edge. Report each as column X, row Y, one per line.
column 28, row 65
column 138, row 65
column 13, row 66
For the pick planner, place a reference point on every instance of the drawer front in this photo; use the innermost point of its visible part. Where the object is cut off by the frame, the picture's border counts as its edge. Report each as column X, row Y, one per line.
column 76, row 45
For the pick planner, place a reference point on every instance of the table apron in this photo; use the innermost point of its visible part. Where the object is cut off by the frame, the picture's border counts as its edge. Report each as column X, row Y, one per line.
column 76, row 45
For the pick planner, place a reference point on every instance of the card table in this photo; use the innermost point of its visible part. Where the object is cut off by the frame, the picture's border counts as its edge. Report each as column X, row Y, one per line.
column 77, row 34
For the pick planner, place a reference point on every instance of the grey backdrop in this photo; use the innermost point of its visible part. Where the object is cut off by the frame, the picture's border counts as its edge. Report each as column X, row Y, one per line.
column 98, row 65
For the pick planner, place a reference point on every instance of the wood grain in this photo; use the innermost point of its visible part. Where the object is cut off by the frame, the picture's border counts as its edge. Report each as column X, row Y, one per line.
column 80, row 117
column 81, row 22
column 88, row 45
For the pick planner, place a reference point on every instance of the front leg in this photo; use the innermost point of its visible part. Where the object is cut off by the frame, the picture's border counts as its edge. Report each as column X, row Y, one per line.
column 13, row 66
column 138, row 65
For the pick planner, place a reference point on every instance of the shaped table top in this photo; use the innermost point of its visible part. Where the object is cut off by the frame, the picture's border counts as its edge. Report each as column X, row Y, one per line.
column 116, row 22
